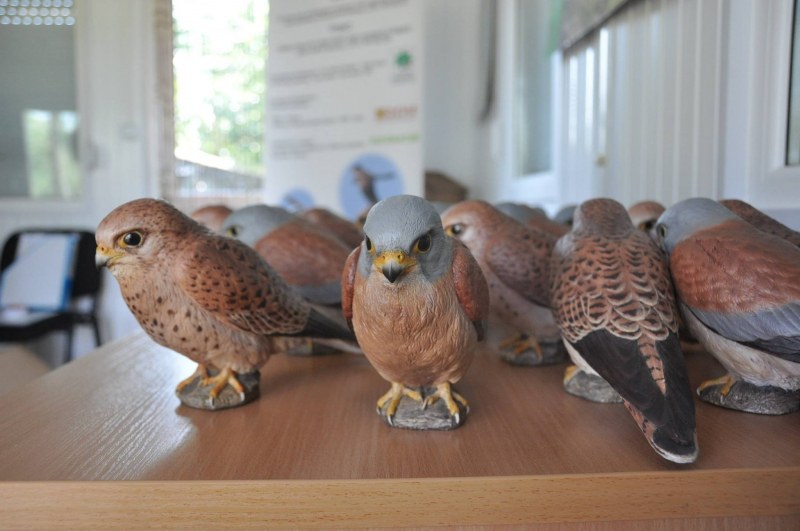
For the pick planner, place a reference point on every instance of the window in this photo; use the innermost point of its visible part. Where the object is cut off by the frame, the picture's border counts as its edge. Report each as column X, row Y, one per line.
column 219, row 68
column 793, row 133
column 39, row 123
column 533, row 131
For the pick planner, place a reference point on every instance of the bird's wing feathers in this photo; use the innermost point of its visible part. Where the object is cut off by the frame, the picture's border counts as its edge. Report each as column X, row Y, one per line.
column 521, row 261
column 471, row 287
column 618, row 285
column 773, row 330
column 348, row 281
column 649, row 375
column 735, row 268
column 229, row 280
column 744, row 285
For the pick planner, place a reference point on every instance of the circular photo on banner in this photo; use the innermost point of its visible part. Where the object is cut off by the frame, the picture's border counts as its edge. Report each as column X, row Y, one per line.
column 365, row 181
column 297, row 200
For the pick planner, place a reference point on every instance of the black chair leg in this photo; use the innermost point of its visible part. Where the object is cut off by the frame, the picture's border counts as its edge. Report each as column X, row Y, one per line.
column 96, row 327
column 68, row 353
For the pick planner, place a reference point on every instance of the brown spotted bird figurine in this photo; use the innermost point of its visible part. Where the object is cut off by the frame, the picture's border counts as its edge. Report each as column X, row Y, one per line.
column 416, row 300
column 644, row 215
column 208, row 297
column 614, row 302
column 761, row 221
column 739, row 291
column 307, row 257
column 515, row 261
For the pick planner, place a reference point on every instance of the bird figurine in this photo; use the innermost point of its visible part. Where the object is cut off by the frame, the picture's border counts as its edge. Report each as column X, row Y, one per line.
column 761, row 221
column 515, row 261
column 416, row 300
column 211, row 216
column 343, row 229
column 565, row 215
column 307, row 257
column 208, row 297
column 644, row 215
column 534, row 217
column 614, row 302
column 739, row 291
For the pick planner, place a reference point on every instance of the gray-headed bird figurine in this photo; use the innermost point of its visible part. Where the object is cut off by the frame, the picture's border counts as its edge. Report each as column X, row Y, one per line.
column 416, row 300
column 614, row 302
column 515, row 261
column 739, row 291
column 208, row 297
column 307, row 257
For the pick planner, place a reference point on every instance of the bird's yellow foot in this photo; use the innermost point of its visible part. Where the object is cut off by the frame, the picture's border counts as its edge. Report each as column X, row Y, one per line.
column 393, row 397
column 209, row 389
column 569, row 373
column 726, row 382
column 218, row 382
column 522, row 343
column 450, row 397
column 200, row 372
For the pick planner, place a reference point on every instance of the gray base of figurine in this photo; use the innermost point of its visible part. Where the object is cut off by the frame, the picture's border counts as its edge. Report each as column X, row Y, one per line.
column 591, row 387
column 197, row 395
column 411, row 415
column 552, row 353
column 751, row 398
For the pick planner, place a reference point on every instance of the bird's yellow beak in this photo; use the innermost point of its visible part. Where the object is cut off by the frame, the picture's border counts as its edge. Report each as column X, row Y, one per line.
column 393, row 264
column 104, row 257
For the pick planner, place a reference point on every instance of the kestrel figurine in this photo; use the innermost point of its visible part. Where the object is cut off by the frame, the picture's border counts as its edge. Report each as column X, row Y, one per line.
column 515, row 261
column 739, row 291
column 614, row 302
column 208, row 297
column 347, row 231
column 644, row 215
column 565, row 215
column 211, row 216
column 533, row 217
column 761, row 221
column 416, row 300
column 307, row 257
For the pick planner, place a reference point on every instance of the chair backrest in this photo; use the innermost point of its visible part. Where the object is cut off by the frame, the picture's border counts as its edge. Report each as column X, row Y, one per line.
column 87, row 278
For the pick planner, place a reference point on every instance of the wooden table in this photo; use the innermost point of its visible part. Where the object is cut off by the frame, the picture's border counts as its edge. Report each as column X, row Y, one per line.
column 313, row 452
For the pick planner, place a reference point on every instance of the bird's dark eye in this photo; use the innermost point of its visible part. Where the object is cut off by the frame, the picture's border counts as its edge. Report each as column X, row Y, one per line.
column 423, row 244
column 647, row 226
column 131, row 239
column 662, row 231
column 233, row 230
column 456, row 229
column 368, row 243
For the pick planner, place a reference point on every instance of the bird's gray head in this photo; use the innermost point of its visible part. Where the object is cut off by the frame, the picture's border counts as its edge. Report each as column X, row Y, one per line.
column 251, row 223
column 404, row 238
column 688, row 216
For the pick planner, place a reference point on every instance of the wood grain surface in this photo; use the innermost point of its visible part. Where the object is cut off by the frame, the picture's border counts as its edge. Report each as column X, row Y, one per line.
column 312, row 450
